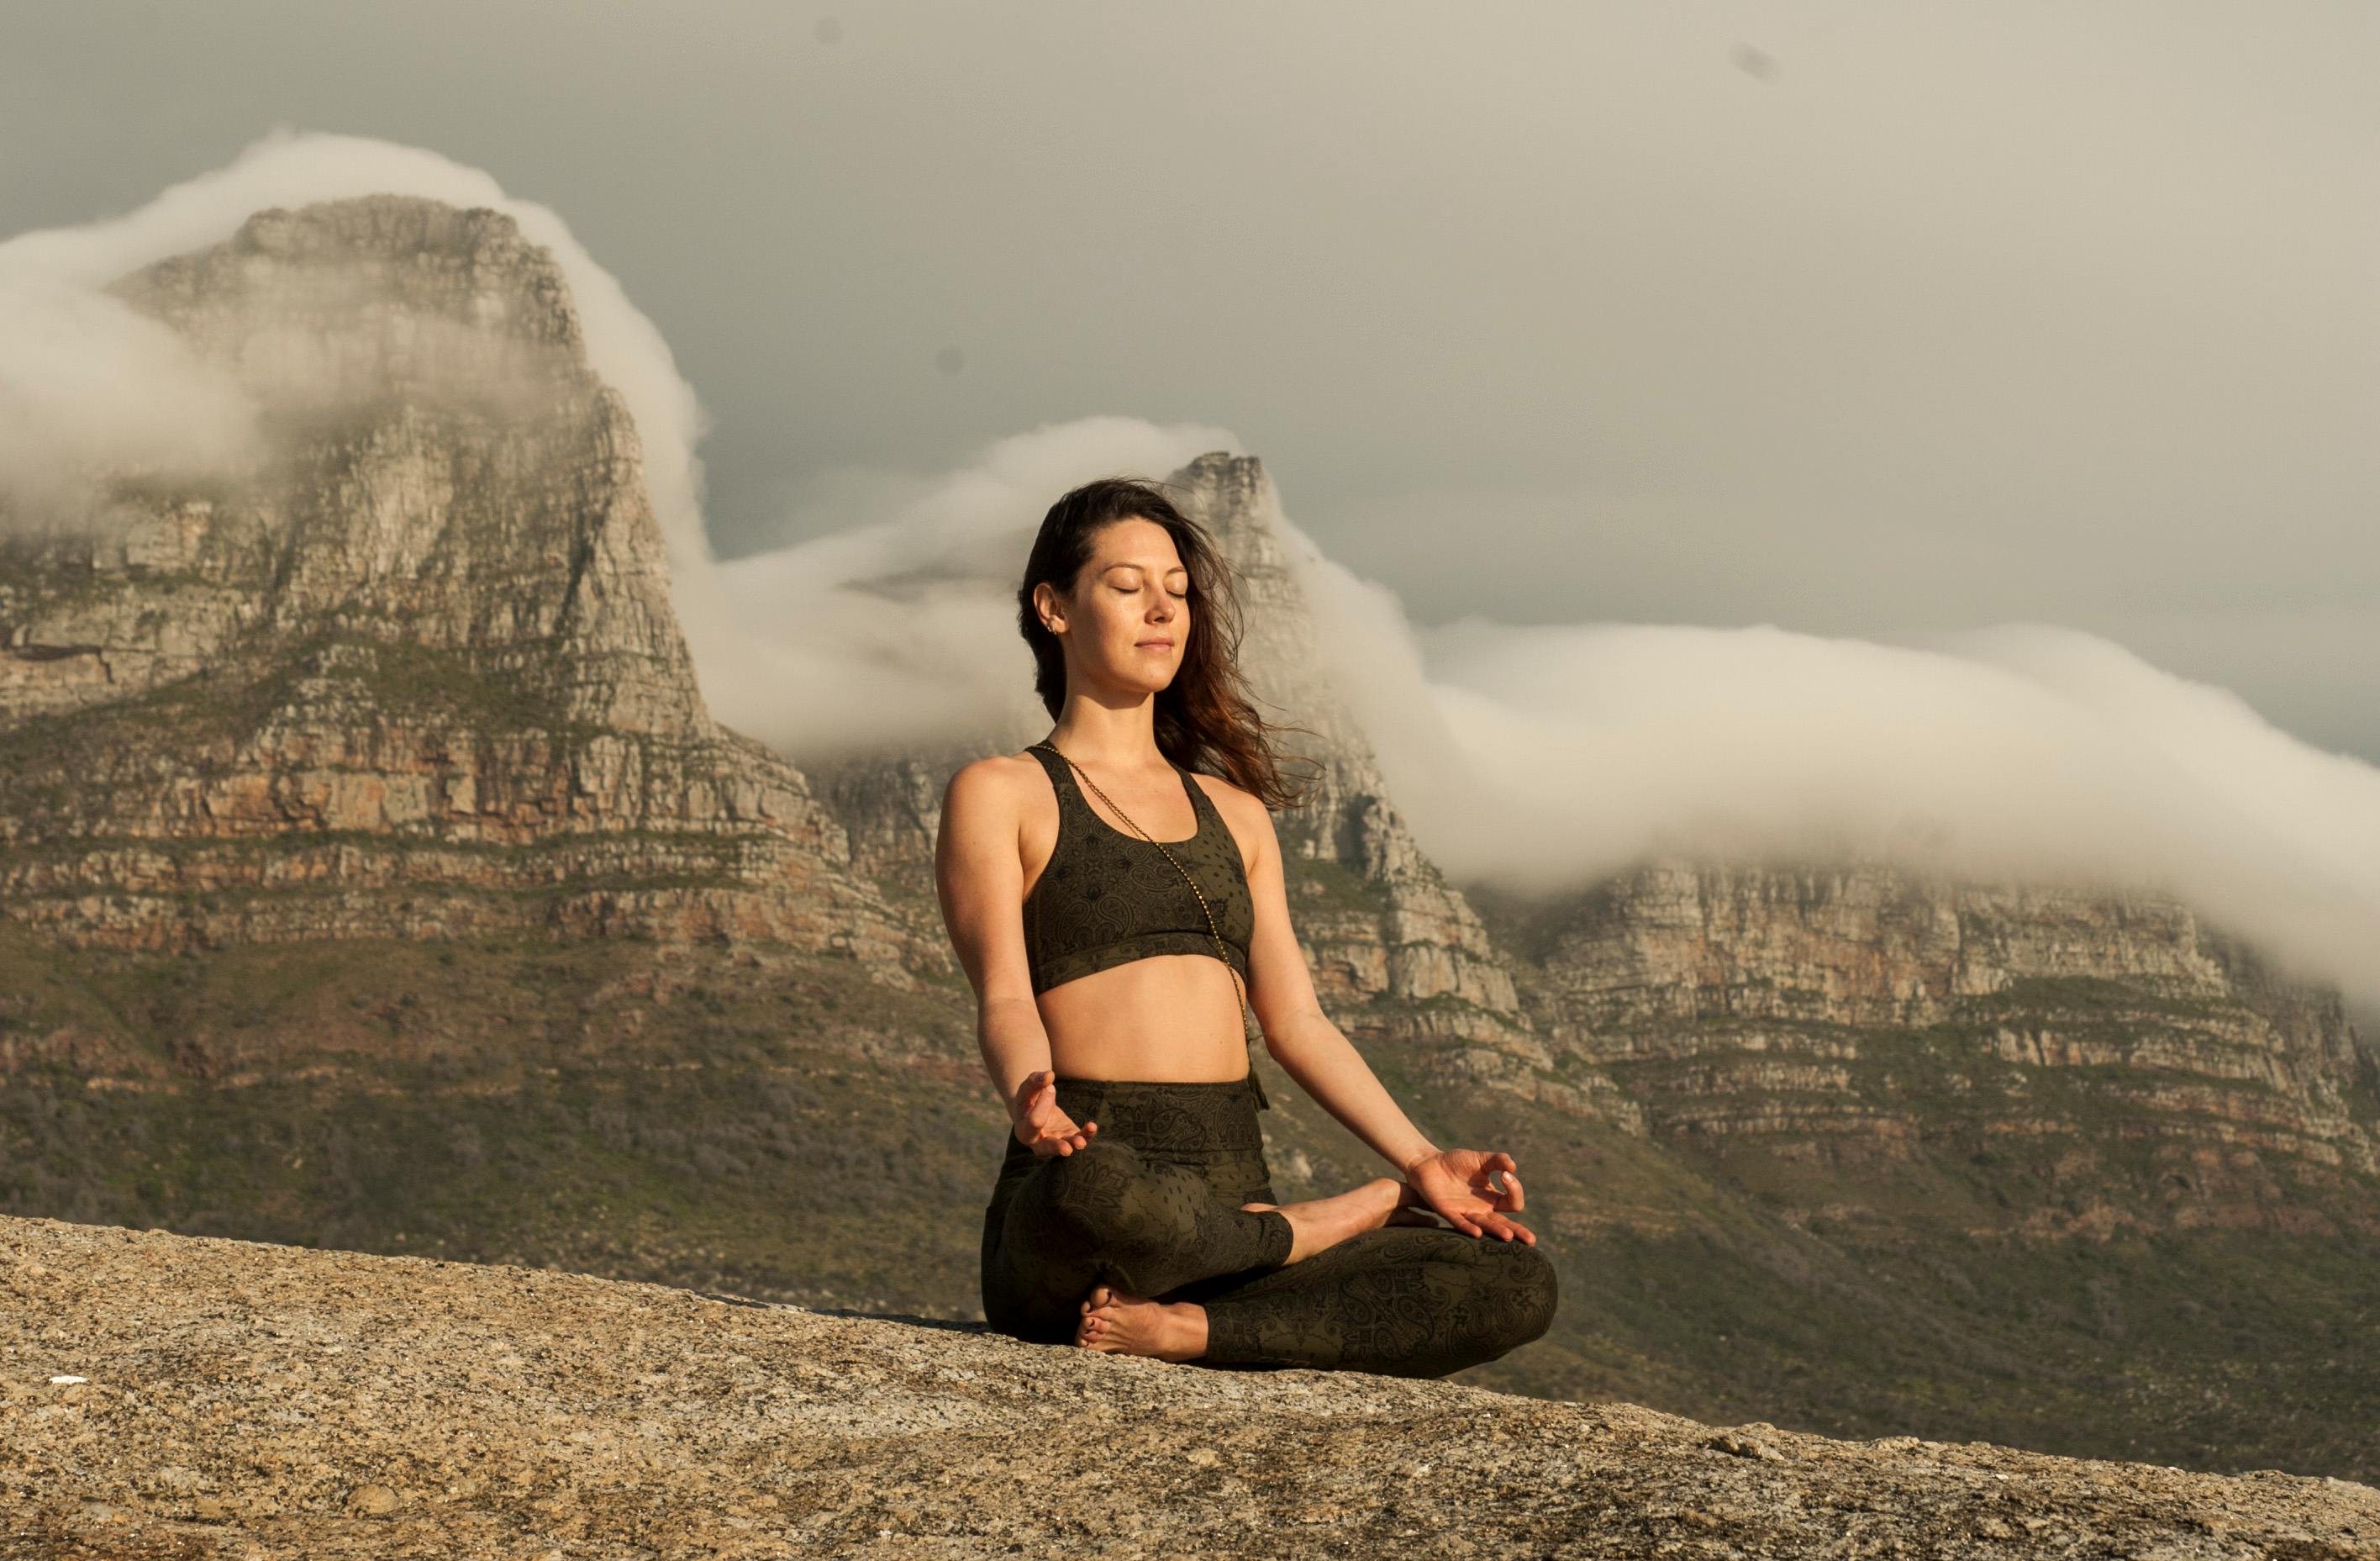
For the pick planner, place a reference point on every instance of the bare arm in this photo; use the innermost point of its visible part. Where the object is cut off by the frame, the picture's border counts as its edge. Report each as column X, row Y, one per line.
column 1298, row 1034
column 980, row 878
column 1457, row 1183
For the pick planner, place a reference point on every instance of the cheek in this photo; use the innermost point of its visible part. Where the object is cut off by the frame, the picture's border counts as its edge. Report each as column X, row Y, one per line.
column 1115, row 623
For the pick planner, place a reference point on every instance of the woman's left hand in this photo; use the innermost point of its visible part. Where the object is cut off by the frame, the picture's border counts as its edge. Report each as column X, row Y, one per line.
column 1455, row 1183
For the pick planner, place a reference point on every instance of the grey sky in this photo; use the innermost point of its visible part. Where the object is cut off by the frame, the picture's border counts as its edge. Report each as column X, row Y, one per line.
column 1851, row 319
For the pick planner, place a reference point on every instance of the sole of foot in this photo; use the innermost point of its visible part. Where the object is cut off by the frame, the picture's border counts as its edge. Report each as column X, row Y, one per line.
column 1117, row 1323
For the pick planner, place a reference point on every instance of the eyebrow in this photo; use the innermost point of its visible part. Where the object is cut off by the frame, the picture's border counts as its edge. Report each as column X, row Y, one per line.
column 1128, row 564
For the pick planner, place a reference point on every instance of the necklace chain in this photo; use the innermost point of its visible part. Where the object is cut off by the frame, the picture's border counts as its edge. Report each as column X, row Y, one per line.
column 1237, row 989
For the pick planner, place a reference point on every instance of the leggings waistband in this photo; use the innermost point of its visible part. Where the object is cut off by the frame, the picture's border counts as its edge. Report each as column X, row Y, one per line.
column 1200, row 1117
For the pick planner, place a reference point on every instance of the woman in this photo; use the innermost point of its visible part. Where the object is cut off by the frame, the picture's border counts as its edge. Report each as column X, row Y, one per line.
column 1119, row 916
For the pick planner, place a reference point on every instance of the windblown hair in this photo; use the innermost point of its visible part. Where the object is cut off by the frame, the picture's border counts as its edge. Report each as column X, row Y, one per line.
column 1206, row 719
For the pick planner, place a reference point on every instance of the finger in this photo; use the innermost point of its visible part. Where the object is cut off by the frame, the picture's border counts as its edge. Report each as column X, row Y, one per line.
column 1512, row 1185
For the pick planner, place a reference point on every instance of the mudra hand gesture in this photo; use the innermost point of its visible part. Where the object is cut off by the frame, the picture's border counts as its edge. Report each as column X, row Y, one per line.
column 1040, row 1125
column 1455, row 1183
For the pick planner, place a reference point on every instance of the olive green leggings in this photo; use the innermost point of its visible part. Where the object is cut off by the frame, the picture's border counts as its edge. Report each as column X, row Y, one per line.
column 1152, row 1208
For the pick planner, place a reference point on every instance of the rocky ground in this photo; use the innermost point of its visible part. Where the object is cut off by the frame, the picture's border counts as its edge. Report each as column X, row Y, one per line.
column 161, row 1396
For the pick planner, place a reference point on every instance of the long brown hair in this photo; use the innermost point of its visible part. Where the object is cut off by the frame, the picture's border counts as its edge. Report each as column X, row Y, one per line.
column 1206, row 719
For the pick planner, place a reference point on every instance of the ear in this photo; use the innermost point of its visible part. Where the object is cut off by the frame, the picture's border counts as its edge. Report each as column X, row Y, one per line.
column 1052, row 609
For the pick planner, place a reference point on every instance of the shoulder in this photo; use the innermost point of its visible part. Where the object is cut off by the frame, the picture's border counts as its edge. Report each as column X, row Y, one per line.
column 1000, row 783
column 1248, row 817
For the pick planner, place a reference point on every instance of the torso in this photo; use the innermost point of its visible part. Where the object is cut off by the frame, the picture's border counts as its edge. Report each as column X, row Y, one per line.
column 1163, row 1016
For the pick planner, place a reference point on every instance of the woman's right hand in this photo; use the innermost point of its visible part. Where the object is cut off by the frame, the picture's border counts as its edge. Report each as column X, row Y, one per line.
column 1040, row 1125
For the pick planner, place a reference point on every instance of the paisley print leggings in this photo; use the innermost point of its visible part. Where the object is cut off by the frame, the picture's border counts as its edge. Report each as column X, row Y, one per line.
column 1152, row 1208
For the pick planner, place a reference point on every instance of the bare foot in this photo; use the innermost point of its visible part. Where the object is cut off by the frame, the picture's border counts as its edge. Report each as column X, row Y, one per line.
column 1117, row 1323
column 1325, row 1222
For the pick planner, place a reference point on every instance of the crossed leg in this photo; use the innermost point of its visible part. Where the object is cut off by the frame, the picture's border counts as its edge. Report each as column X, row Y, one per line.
column 1121, row 1322
column 1407, row 1302
column 1170, row 1267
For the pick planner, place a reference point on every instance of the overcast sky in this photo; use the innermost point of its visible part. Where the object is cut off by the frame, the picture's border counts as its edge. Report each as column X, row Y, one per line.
column 1852, row 319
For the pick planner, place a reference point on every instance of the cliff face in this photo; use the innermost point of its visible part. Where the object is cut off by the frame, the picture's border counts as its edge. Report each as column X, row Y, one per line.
column 411, row 666
column 2111, row 1046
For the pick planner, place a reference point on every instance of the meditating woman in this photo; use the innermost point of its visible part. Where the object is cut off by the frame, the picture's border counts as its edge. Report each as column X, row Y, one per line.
column 1120, row 913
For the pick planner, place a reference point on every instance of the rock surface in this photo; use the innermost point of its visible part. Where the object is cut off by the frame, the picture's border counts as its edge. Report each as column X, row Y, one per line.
column 1854, row 1014
column 167, row 1397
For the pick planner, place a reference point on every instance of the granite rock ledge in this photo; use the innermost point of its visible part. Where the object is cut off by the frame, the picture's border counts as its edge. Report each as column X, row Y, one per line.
column 199, row 1397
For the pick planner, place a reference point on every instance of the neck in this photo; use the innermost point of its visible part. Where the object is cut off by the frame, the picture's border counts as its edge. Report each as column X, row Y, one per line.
column 1117, row 742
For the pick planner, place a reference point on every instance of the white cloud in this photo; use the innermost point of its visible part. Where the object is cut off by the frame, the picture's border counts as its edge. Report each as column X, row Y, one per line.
column 900, row 629
column 50, row 298
column 1543, row 757
column 88, row 386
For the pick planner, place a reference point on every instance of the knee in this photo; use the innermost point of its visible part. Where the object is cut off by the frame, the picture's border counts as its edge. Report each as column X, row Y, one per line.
column 1518, row 1291
column 1091, row 1192
column 1533, row 1291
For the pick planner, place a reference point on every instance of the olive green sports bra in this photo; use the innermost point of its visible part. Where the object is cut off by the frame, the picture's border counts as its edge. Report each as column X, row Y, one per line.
column 1108, row 898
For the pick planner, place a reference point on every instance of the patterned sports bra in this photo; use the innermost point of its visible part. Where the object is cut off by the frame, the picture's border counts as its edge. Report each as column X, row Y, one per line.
column 1107, row 896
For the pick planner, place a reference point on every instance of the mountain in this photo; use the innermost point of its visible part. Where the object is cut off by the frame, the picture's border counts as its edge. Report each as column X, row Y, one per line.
column 376, row 878
column 412, row 667
column 2063, row 1062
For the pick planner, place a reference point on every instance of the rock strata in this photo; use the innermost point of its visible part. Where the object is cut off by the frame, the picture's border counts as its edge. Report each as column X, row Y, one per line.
column 1858, row 1015
column 409, row 665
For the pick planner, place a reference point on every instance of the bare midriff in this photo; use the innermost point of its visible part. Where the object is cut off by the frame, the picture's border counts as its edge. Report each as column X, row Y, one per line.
column 1169, row 1017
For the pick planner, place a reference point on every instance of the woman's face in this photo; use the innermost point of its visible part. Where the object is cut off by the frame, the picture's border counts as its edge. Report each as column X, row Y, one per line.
column 1130, row 616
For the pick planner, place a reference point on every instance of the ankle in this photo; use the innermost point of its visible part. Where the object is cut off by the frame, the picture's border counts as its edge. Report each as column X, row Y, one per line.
column 1190, row 1337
